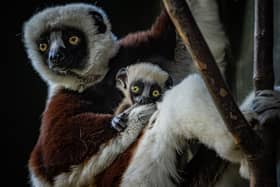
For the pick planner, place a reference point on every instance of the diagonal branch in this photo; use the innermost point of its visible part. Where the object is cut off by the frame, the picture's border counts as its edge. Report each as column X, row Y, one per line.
column 183, row 20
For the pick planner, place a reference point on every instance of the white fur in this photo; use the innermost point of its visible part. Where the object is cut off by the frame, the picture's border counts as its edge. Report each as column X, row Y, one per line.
column 37, row 181
column 147, row 71
column 83, row 174
column 206, row 15
column 102, row 46
column 186, row 112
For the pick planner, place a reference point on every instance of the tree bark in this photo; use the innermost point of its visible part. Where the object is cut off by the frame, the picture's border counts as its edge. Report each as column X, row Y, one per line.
column 264, row 168
column 263, row 45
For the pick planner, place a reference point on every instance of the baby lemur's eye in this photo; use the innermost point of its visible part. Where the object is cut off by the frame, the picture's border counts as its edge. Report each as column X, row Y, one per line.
column 74, row 40
column 156, row 93
column 43, row 47
column 135, row 89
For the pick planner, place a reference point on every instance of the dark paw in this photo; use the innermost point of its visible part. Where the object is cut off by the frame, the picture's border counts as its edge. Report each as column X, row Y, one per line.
column 119, row 122
column 267, row 106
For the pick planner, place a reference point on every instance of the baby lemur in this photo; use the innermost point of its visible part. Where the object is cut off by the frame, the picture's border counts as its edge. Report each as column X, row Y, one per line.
column 142, row 83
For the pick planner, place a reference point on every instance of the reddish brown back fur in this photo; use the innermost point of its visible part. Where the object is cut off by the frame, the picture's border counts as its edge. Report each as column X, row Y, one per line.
column 70, row 134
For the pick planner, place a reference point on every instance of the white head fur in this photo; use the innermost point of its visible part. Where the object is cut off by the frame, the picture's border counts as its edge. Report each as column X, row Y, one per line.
column 101, row 46
column 146, row 72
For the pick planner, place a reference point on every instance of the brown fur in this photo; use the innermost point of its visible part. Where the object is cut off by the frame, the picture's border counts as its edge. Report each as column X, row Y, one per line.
column 125, row 104
column 112, row 176
column 74, row 125
column 152, row 41
column 70, row 133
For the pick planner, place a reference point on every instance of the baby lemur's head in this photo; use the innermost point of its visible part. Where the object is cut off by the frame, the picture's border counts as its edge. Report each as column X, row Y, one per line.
column 143, row 83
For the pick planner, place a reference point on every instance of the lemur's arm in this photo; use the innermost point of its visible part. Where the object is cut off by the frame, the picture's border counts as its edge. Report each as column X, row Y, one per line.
column 67, row 130
column 259, row 108
column 120, row 120
column 72, row 138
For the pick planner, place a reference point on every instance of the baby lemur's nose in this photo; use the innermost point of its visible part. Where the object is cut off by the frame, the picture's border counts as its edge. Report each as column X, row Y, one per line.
column 145, row 100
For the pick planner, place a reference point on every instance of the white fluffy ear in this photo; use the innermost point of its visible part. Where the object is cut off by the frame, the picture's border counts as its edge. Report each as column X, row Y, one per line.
column 121, row 78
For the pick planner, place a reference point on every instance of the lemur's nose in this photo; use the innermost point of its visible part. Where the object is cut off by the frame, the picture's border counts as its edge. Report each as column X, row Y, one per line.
column 57, row 57
column 145, row 100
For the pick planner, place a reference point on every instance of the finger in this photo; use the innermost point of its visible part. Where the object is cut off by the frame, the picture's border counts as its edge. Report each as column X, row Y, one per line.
column 122, row 125
column 116, row 127
column 265, row 93
column 267, row 108
column 123, row 119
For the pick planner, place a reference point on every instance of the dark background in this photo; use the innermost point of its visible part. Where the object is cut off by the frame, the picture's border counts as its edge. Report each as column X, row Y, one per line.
column 24, row 93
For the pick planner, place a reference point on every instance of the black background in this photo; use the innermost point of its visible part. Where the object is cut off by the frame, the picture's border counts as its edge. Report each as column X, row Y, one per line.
column 24, row 93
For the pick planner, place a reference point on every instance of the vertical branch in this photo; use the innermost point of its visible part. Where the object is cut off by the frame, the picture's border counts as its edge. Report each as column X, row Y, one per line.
column 264, row 173
column 263, row 45
column 183, row 20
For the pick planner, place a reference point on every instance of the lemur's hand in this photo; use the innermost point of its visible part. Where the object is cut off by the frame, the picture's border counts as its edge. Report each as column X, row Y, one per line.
column 141, row 113
column 136, row 114
column 119, row 122
column 267, row 106
column 265, row 109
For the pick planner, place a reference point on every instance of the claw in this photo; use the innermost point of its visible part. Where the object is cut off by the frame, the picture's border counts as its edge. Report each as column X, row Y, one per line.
column 115, row 126
column 119, row 122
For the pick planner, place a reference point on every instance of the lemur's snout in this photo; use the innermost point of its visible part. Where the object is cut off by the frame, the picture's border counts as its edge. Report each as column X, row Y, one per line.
column 57, row 58
column 145, row 100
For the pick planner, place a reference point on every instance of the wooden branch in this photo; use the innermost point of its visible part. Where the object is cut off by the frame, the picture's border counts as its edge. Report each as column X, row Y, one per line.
column 263, row 45
column 243, row 135
column 264, row 168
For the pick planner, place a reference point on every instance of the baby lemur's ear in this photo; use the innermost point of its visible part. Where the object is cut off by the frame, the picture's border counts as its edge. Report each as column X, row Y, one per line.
column 169, row 82
column 121, row 78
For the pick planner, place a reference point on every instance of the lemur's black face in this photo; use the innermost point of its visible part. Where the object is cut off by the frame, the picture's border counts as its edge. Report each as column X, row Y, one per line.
column 63, row 49
column 144, row 92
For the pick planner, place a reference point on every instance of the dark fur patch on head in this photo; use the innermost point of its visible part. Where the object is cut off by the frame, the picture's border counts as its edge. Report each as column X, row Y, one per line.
column 75, row 56
column 99, row 21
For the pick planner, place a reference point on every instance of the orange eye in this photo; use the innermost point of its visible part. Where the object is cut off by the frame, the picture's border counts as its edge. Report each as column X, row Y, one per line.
column 74, row 40
column 135, row 89
column 156, row 93
column 43, row 47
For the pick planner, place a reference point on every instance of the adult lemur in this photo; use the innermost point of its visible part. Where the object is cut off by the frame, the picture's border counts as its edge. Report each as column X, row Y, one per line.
column 73, row 49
